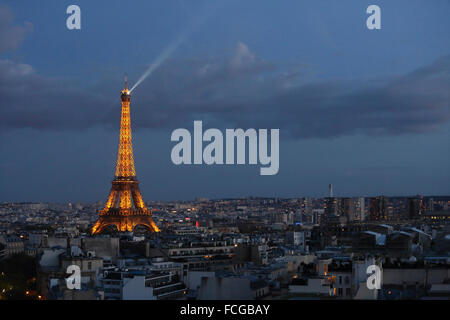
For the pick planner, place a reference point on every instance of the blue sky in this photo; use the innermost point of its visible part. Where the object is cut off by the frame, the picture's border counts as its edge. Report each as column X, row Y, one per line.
column 365, row 110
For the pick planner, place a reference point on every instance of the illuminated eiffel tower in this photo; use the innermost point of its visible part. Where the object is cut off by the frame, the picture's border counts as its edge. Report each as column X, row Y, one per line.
column 125, row 208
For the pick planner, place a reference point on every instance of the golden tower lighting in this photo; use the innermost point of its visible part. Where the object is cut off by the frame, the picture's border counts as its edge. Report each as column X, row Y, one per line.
column 125, row 207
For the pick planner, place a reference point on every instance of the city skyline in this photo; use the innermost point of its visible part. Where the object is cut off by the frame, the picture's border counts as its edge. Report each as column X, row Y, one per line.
column 225, row 158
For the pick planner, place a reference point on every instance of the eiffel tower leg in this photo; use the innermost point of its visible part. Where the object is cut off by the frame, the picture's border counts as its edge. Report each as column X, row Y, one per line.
column 97, row 227
column 154, row 226
column 102, row 223
column 147, row 222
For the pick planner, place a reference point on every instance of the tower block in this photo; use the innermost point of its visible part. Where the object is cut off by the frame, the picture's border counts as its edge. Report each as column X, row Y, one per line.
column 125, row 207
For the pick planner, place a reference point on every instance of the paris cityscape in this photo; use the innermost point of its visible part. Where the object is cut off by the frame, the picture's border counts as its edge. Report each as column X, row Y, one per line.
column 249, row 248
column 337, row 158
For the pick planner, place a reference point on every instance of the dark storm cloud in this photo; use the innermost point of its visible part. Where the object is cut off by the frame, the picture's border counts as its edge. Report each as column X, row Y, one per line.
column 11, row 35
column 415, row 103
column 256, row 95
column 240, row 91
column 32, row 101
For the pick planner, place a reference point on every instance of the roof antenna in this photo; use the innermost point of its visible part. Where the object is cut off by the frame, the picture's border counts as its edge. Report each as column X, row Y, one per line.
column 126, row 82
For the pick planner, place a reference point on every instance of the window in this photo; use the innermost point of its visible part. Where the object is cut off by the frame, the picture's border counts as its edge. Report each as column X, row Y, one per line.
column 89, row 265
column 340, row 291
column 340, row 279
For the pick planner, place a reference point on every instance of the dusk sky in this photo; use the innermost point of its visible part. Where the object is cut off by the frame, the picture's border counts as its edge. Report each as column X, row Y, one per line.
column 365, row 110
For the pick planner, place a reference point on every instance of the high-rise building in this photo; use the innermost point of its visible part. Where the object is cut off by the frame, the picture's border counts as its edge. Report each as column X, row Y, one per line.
column 307, row 206
column 348, row 208
column 360, row 208
column 378, row 209
column 415, row 207
column 317, row 214
column 352, row 208
column 430, row 207
column 125, row 208
column 331, row 206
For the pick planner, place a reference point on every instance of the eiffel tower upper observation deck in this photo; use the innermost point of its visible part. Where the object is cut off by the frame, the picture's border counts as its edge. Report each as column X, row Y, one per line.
column 125, row 207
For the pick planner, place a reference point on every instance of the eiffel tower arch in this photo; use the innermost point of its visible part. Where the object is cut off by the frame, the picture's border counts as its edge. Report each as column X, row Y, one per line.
column 125, row 208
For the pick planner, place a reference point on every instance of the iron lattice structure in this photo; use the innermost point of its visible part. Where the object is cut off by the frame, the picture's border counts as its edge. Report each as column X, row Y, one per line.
column 125, row 207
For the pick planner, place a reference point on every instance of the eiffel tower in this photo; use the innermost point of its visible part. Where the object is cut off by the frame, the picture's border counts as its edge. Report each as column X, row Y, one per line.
column 125, row 207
